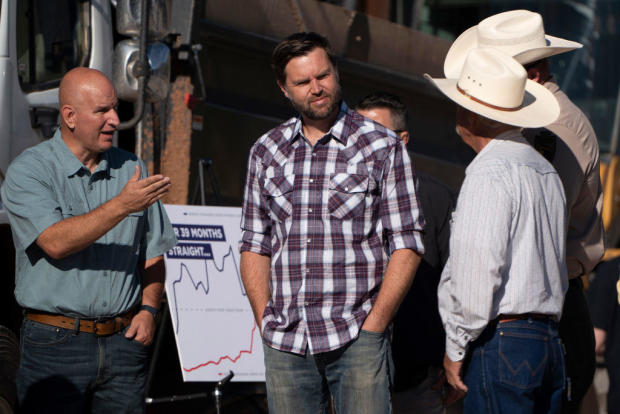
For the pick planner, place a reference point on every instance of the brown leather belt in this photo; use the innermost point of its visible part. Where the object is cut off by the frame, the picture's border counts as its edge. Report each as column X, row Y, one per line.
column 538, row 316
column 99, row 327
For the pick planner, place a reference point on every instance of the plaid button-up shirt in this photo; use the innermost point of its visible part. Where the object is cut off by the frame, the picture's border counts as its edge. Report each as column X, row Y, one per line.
column 329, row 216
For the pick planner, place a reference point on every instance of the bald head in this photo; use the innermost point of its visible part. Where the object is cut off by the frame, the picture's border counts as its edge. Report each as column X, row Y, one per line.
column 78, row 81
column 87, row 108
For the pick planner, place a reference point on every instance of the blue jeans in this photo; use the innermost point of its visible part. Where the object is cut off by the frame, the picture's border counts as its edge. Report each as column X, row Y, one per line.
column 357, row 376
column 516, row 367
column 61, row 371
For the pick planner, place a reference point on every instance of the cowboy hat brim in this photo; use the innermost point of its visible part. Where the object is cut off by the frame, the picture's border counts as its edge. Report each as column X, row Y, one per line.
column 539, row 107
column 468, row 40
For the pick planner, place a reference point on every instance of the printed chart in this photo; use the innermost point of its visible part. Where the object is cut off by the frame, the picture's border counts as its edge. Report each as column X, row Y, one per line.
column 211, row 316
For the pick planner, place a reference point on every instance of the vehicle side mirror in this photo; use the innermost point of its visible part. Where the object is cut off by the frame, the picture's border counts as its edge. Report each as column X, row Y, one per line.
column 125, row 67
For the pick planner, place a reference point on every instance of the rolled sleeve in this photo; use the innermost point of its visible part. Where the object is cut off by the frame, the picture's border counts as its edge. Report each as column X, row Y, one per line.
column 400, row 211
column 30, row 201
column 406, row 240
column 255, row 221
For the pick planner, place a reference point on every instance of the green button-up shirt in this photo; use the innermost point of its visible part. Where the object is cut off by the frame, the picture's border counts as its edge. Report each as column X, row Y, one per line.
column 47, row 184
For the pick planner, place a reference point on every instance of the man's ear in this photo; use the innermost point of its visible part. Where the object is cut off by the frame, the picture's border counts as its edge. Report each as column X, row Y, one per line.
column 404, row 135
column 283, row 89
column 67, row 112
column 533, row 73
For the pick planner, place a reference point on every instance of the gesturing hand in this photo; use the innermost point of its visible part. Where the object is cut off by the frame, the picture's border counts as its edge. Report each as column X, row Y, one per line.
column 138, row 194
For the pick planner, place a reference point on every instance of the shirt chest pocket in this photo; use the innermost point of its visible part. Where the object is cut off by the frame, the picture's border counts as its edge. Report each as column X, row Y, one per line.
column 347, row 195
column 278, row 191
column 129, row 232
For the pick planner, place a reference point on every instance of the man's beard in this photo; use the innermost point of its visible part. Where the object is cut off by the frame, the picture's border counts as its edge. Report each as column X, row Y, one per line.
column 317, row 115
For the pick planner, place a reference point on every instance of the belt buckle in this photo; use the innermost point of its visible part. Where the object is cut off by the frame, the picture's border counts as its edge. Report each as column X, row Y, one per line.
column 95, row 322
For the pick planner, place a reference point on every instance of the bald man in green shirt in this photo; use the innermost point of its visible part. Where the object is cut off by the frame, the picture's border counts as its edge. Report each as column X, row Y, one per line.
column 90, row 234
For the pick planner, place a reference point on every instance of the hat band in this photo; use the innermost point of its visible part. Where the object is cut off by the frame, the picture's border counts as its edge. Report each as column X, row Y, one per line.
column 500, row 108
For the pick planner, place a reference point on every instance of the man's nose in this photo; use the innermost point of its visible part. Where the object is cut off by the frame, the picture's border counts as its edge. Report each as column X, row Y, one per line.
column 113, row 120
column 315, row 87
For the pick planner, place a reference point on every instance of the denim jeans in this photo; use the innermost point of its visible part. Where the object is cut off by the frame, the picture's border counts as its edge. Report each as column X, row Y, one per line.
column 358, row 377
column 516, row 367
column 64, row 372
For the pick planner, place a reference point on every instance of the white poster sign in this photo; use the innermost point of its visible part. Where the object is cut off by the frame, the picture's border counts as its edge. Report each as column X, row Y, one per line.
column 213, row 323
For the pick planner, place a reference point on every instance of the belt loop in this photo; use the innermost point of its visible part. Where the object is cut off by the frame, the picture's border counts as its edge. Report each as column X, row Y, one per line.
column 76, row 326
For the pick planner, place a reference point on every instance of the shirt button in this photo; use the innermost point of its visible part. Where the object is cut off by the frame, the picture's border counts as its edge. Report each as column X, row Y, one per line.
column 346, row 189
column 308, row 240
column 312, row 180
column 314, row 154
column 309, row 210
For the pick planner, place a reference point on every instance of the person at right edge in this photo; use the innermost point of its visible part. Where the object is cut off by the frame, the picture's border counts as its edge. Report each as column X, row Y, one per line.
column 571, row 146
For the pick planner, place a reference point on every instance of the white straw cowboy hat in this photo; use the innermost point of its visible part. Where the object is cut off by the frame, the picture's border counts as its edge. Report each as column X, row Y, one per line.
column 495, row 85
column 519, row 33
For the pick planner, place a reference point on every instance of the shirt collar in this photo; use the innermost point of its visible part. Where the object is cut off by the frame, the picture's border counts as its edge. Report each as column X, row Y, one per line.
column 71, row 164
column 339, row 130
column 104, row 165
column 551, row 85
column 510, row 135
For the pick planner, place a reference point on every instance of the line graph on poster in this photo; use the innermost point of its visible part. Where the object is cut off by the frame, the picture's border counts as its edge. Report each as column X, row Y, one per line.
column 213, row 323
column 211, row 267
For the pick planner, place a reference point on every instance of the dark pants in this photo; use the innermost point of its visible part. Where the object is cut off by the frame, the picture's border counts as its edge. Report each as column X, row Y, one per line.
column 515, row 367
column 64, row 372
column 577, row 335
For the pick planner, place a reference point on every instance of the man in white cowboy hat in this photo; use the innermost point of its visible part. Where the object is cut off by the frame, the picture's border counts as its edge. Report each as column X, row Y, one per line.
column 502, row 289
column 575, row 156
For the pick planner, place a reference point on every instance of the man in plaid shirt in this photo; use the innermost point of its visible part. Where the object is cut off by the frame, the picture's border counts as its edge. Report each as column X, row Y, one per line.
column 331, row 241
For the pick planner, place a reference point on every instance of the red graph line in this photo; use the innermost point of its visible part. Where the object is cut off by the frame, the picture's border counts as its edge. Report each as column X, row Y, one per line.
column 233, row 360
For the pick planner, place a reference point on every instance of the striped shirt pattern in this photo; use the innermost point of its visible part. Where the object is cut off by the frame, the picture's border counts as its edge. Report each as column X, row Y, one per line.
column 507, row 242
column 329, row 216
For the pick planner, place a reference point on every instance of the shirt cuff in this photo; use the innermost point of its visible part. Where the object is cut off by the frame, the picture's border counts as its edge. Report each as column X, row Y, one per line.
column 406, row 240
column 454, row 351
column 254, row 246
column 161, row 247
